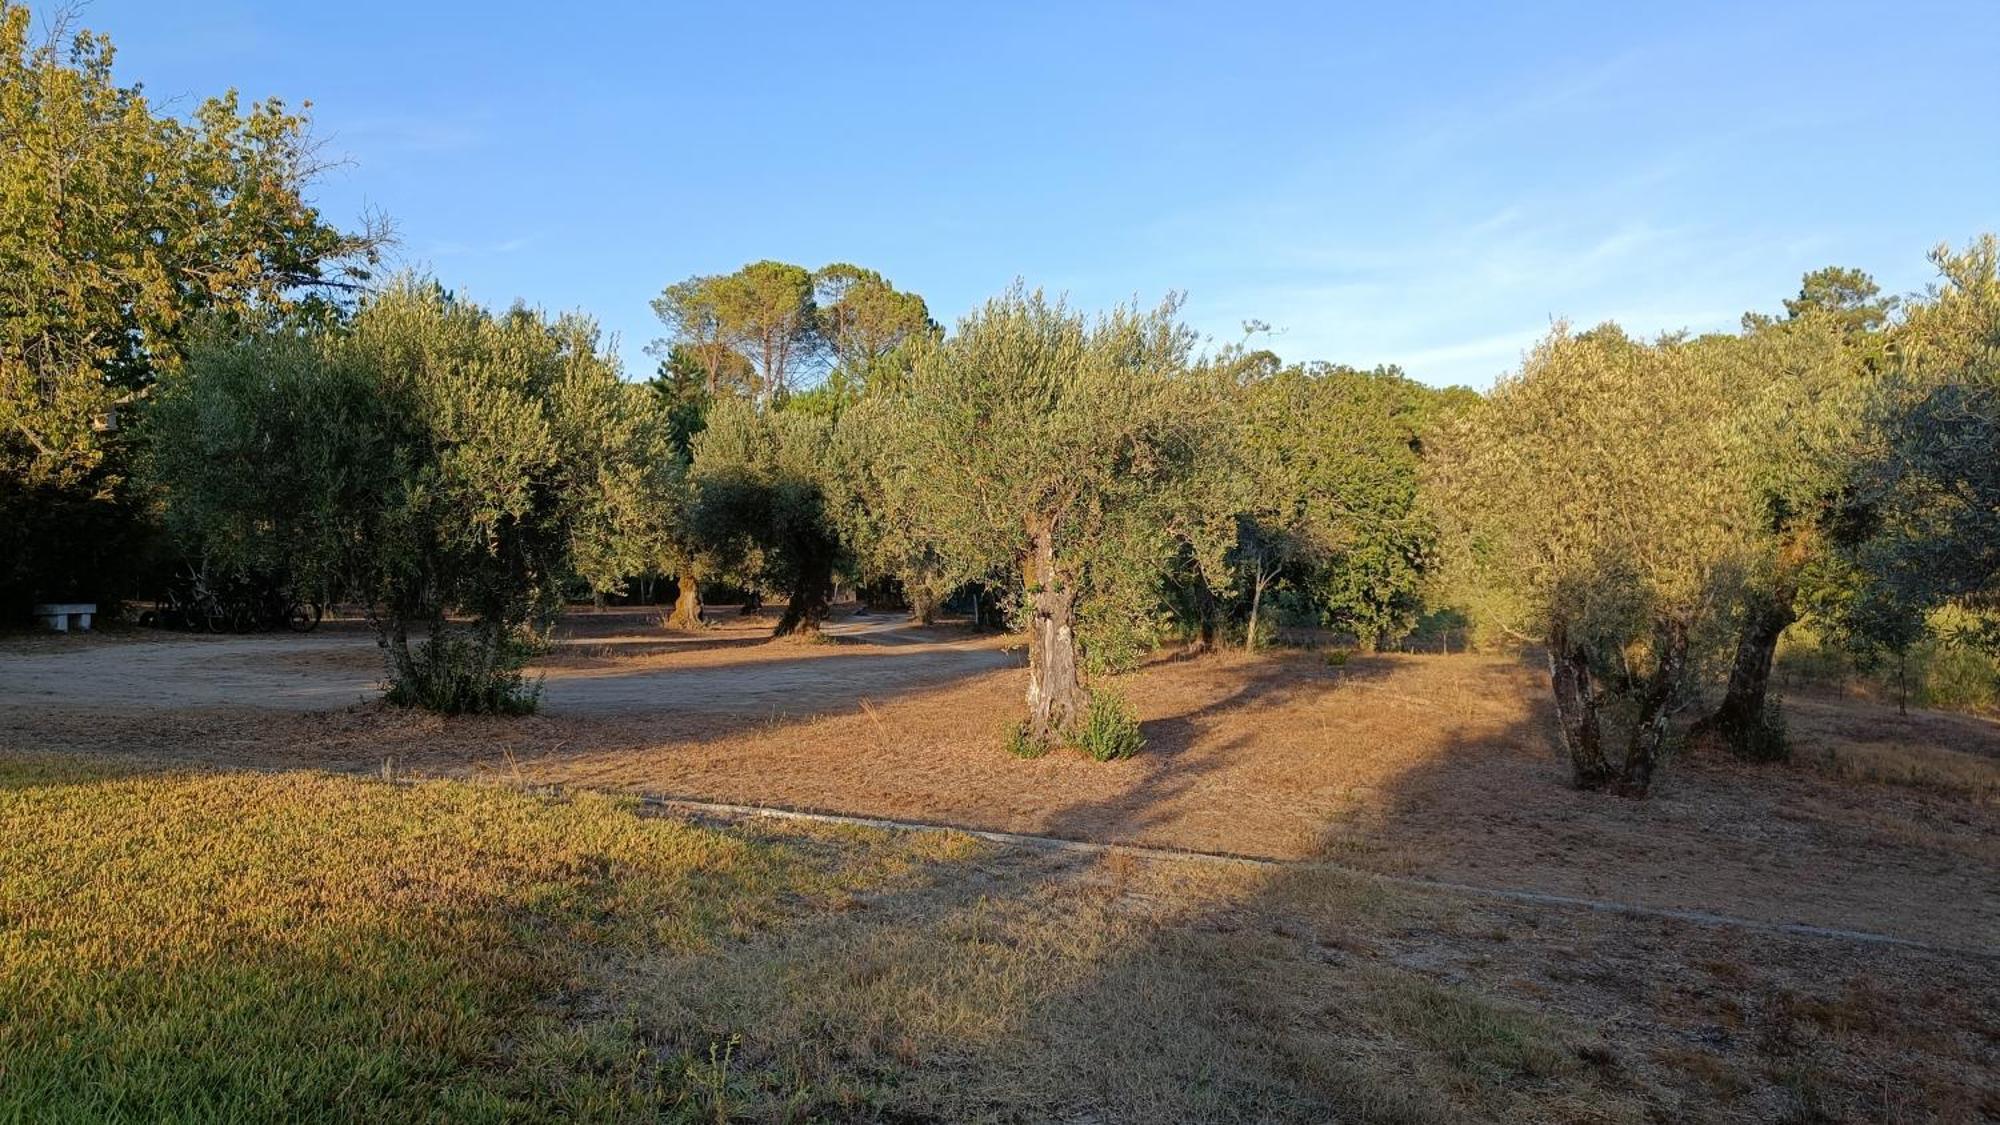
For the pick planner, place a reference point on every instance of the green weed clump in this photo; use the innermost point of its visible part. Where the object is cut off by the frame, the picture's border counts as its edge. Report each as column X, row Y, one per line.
column 1109, row 729
column 466, row 675
column 1023, row 745
column 1769, row 739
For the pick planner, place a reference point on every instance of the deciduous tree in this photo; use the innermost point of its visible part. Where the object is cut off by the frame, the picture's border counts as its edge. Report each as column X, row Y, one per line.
column 119, row 227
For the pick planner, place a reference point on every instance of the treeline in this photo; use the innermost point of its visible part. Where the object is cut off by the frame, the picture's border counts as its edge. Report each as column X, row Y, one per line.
column 195, row 364
column 1658, row 513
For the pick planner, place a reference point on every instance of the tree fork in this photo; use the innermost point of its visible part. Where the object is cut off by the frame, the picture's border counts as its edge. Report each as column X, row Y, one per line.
column 1576, row 711
column 1649, row 731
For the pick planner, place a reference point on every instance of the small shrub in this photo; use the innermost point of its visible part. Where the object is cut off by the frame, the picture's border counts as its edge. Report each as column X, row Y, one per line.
column 1337, row 658
column 1109, row 729
column 1767, row 740
column 1021, row 745
column 466, row 675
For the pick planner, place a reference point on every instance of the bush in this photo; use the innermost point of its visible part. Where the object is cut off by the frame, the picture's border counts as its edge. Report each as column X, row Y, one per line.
column 1768, row 740
column 1956, row 677
column 1022, row 745
column 1109, row 729
column 465, row 675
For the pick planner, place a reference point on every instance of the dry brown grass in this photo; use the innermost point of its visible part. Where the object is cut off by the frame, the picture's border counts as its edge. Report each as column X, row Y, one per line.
column 1020, row 986
column 1432, row 766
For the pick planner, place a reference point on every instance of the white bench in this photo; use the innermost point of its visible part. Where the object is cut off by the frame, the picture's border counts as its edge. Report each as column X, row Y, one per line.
column 59, row 617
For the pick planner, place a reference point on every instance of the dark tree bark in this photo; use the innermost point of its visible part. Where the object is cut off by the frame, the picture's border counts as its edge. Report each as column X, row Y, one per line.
column 687, row 603
column 1205, row 624
column 805, row 610
column 1577, row 699
column 1736, row 720
column 1055, row 685
column 923, row 607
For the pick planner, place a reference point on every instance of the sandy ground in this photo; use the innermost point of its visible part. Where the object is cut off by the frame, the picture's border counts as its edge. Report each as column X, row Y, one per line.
column 602, row 664
column 1436, row 767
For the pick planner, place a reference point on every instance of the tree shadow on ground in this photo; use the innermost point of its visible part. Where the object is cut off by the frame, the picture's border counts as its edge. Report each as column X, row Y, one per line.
column 1026, row 985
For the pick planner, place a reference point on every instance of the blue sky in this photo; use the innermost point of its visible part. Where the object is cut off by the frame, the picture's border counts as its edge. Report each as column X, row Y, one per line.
column 1423, row 184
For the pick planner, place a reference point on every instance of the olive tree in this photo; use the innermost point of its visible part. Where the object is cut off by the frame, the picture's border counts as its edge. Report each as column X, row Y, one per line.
column 1051, row 445
column 1934, row 489
column 1797, row 392
column 1603, row 496
column 448, row 467
column 872, row 497
column 759, row 506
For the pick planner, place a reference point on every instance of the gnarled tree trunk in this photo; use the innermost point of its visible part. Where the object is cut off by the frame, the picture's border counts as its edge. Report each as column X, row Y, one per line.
column 806, row 607
column 687, row 603
column 923, row 607
column 1055, row 685
column 1735, row 721
column 1577, row 700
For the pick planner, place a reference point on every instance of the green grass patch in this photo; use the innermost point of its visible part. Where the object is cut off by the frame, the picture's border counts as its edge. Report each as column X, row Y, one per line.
column 306, row 947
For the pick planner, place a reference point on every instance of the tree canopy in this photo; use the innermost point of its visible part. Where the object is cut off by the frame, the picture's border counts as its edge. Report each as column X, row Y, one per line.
column 428, row 459
column 1054, row 446
column 120, row 227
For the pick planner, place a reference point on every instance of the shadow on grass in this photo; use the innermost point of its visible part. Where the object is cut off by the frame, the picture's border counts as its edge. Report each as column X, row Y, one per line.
column 972, row 982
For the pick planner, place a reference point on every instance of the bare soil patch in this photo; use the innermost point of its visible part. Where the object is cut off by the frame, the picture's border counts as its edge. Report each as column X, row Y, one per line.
column 1438, row 767
column 1152, row 974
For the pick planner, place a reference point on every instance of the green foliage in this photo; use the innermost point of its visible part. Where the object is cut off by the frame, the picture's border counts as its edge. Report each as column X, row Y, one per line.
column 1934, row 494
column 1769, row 739
column 119, row 228
column 683, row 391
column 1023, row 745
column 873, row 501
column 1033, row 422
column 770, row 328
column 1326, row 494
column 1849, row 296
column 1951, row 663
column 869, row 327
column 1598, row 490
column 759, row 505
column 430, row 460
column 454, row 674
column 1109, row 730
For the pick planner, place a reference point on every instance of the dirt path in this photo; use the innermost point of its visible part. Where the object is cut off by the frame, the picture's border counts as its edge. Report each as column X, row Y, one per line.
column 728, row 670
column 277, row 672
column 1437, row 768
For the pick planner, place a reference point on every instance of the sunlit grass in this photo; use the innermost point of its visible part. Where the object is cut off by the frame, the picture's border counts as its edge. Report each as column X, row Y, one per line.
column 267, row 947
column 1933, row 768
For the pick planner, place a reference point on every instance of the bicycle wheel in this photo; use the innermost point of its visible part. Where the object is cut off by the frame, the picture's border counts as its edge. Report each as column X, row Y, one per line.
column 303, row 618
